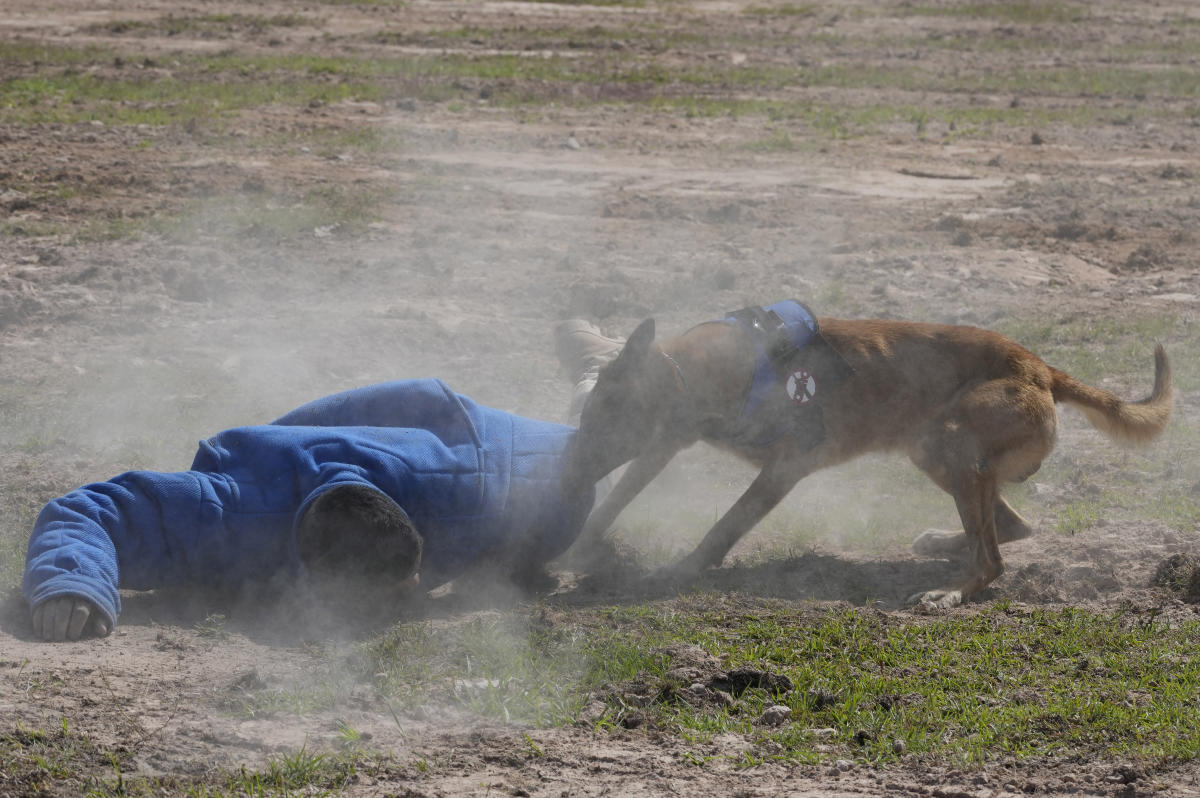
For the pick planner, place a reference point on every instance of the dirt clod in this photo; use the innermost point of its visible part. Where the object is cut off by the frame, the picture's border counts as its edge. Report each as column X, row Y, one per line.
column 1180, row 574
column 775, row 715
column 740, row 680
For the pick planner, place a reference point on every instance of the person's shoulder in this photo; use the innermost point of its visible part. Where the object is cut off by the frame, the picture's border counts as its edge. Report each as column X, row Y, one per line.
column 430, row 385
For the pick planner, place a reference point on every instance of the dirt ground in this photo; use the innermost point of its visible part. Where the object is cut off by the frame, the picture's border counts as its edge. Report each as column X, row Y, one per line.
column 489, row 225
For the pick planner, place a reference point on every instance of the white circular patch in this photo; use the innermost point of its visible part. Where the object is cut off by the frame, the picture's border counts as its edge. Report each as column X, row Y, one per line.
column 801, row 386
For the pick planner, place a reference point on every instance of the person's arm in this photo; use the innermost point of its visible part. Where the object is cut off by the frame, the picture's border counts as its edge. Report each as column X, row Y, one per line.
column 71, row 562
column 137, row 530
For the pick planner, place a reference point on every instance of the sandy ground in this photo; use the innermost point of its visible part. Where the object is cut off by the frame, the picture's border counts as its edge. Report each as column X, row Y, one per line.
column 491, row 226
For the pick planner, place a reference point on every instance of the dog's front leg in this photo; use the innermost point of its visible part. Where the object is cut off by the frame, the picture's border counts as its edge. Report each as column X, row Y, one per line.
column 640, row 473
column 770, row 486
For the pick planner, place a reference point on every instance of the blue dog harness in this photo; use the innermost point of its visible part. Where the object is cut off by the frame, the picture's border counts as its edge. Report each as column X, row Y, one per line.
column 778, row 332
column 790, row 360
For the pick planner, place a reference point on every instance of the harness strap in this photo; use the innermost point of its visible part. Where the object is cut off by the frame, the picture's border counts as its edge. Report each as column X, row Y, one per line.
column 777, row 333
column 769, row 330
column 680, row 381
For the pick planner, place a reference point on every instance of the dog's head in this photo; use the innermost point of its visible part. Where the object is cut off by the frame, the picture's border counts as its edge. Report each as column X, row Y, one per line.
column 625, row 413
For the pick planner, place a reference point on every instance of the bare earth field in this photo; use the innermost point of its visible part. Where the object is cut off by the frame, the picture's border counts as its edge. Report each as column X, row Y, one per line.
column 211, row 212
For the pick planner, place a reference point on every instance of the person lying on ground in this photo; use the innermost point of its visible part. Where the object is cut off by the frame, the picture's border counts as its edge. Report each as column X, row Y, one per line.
column 399, row 482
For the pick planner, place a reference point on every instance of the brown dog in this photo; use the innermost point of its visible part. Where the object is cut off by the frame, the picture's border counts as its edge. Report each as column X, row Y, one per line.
column 970, row 408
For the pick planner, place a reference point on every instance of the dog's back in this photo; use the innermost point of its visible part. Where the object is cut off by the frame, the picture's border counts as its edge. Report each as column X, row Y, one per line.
column 901, row 374
column 906, row 373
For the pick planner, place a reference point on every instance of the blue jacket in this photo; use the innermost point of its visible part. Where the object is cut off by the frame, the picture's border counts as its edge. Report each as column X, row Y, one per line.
column 472, row 479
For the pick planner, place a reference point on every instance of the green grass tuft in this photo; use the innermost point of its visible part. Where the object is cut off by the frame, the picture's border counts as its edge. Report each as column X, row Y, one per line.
column 1029, row 12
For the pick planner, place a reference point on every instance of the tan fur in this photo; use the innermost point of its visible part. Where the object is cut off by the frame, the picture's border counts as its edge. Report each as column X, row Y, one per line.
column 970, row 408
column 1133, row 422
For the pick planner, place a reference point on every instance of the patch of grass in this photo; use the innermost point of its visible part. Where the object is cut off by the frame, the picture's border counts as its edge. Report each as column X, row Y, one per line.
column 964, row 688
column 37, row 762
column 497, row 668
column 778, row 141
column 304, row 769
column 1029, row 12
column 105, row 228
column 34, row 760
column 199, row 24
column 1169, row 51
column 1113, row 81
column 34, row 54
column 847, row 121
column 284, row 64
column 1117, row 81
column 212, row 627
column 322, row 690
column 76, row 98
column 348, row 737
column 1176, row 508
column 1131, row 497
column 34, row 228
column 967, row 689
column 648, row 35
column 210, row 88
column 784, row 10
column 1078, row 516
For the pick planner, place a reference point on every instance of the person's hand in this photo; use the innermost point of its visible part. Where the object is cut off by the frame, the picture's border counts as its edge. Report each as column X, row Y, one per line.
column 68, row 618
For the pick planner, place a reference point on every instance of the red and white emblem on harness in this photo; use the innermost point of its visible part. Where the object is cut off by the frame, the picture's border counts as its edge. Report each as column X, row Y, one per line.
column 802, row 386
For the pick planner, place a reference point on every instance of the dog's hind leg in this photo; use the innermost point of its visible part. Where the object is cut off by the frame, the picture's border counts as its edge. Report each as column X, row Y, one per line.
column 996, row 432
column 976, row 498
column 1014, row 437
column 1010, row 526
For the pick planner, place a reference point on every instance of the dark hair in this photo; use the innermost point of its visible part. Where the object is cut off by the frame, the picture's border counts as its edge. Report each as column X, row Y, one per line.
column 355, row 529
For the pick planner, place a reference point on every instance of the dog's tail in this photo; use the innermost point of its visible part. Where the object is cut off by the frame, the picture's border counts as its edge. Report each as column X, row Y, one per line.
column 1131, row 422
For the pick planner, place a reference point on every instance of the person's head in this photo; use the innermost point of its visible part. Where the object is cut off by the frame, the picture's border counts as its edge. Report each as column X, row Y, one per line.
column 354, row 535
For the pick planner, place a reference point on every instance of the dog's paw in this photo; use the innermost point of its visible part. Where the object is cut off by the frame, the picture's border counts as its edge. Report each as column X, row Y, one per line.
column 941, row 543
column 937, row 599
column 534, row 581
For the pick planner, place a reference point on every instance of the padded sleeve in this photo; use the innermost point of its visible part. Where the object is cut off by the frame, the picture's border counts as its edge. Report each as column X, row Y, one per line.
column 139, row 530
column 417, row 404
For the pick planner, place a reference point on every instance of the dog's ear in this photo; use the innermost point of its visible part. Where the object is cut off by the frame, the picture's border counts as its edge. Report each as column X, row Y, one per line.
column 639, row 340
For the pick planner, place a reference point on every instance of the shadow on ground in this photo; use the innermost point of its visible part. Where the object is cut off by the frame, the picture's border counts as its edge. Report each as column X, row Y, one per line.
column 818, row 577
column 282, row 618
